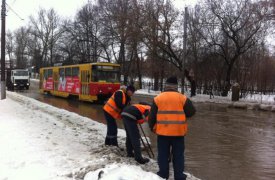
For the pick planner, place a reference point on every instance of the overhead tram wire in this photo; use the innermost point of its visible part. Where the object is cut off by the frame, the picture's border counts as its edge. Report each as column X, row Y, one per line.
column 13, row 1
column 14, row 12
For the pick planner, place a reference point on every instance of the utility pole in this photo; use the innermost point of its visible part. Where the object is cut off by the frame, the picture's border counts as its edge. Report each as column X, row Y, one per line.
column 3, row 45
column 184, row 47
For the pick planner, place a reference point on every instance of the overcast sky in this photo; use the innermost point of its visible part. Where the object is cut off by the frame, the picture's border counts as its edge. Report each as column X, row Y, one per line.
column 66, row 8
column 25, row 8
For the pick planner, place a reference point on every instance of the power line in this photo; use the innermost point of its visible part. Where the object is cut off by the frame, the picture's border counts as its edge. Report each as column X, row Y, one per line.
column 15, row 12
column 13, row 1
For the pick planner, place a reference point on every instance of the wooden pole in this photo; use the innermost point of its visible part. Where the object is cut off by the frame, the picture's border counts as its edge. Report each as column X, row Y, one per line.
column 3, row 47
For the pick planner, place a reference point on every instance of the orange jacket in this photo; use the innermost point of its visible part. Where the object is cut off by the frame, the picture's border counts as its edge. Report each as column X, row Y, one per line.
column 142, row 109
column 136, row 112
column 111, row 107
column 171, row 119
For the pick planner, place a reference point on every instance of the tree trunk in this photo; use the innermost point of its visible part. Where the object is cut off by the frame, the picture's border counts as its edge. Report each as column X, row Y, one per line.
column 227, row 80
column 156, row 81
column 193, row 88
column 121, row 60
column 182, row 82
column 138, row 69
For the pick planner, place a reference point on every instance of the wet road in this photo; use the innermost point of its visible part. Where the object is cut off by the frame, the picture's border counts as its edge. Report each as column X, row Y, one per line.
column 222, row 143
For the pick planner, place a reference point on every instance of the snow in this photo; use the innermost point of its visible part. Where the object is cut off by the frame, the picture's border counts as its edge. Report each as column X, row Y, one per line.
column 121, row 171
column 39, row 141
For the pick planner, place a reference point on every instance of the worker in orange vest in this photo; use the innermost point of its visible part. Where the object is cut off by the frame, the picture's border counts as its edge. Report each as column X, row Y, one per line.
column 112, row 110
column 131, row 116
column 168, row 120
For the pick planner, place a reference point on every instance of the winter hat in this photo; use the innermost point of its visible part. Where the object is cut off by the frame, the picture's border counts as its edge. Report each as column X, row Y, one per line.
column 131, row 88
column 172, row 80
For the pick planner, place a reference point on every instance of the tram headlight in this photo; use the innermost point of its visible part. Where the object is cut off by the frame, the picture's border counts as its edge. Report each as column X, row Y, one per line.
column 15, row 84
column 100, row 91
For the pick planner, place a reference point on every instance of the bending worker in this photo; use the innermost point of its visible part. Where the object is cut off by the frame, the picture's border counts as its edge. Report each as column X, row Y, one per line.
column 112, row 110
column 131, row 116
column 168, row 120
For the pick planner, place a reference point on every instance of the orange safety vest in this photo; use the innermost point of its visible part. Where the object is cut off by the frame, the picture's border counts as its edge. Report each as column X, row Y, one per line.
column 171, row 119
column 142, row 109
column 111, row 107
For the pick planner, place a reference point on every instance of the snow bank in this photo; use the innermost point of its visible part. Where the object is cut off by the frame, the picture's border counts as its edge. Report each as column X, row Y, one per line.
column 147, row 92
column 121, row 171
column 265, row 107
column 126, row 172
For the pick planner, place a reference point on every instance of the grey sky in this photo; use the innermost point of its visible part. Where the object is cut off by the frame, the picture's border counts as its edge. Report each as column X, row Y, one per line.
column 25, row 8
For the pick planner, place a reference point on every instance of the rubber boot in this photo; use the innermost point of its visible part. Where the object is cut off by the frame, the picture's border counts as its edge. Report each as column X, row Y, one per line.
column 142, row 160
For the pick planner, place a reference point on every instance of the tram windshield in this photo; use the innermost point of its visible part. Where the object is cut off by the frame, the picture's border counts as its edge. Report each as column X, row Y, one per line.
column 103, row 73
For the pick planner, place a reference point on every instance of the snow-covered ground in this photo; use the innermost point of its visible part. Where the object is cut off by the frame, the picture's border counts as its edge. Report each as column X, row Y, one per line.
column 39, row 141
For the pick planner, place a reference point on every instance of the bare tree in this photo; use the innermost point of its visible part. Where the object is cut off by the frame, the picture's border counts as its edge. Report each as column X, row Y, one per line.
column 21, row 40
column 10, row 47
column 86, row 30
column 135, row 40
column 232, row 28
column 115, row 18
column 46, row 30
column 162, row 35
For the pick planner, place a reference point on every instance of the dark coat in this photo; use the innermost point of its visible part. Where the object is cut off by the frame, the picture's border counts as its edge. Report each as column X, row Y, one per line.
column 118, row 100
column 134, row 111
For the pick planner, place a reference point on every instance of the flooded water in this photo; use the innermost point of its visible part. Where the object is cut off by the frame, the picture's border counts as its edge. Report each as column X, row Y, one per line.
column 222, row 143
column 225, row 143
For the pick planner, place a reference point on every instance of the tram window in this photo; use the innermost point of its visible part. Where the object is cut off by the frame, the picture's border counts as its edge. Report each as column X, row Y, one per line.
column 68, row 72
column 75, row 71
column 61, row 72
column 45, row 72
column 105, row 73
column 108, row 76
column 50, row 73
column 94, row 74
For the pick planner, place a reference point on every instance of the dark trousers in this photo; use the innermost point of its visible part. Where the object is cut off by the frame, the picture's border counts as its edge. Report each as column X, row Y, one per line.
column 111, row 137
column 132, row 137
column 175, row 145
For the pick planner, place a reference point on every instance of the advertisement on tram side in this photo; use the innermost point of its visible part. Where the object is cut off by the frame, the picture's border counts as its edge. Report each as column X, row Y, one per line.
column 48, row 83
column 69, row 84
